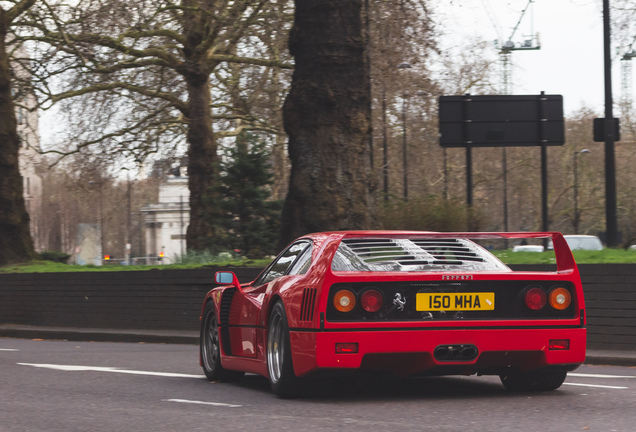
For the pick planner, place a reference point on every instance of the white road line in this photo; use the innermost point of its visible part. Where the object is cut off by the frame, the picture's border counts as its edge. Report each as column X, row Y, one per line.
column 8, row 349
column 71, row 368
column 202, row 403
column 582, row 375
column 594, row 385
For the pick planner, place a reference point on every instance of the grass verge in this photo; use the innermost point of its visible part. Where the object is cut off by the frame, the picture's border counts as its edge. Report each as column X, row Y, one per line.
column 53, row 267
column 606, row 256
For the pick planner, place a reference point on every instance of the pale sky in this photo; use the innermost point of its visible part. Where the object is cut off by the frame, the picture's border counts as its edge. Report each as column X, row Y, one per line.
column 570, row 61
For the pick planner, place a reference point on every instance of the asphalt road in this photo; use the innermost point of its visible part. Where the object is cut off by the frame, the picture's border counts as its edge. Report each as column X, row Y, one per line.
column 91, row 386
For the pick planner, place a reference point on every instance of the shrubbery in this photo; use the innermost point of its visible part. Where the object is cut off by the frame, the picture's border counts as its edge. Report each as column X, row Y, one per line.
column 59, row 257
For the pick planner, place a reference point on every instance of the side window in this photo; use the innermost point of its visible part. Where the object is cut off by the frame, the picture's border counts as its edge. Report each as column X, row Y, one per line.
column 284, row 262
column 301, row 265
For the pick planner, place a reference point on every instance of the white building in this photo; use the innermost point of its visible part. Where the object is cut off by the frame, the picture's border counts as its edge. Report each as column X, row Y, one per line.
column 166, row 222
column 30, row 161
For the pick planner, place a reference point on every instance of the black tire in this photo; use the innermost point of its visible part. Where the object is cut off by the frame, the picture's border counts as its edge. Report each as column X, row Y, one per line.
column 282, row 378
column 210, row 348
column 542, row 380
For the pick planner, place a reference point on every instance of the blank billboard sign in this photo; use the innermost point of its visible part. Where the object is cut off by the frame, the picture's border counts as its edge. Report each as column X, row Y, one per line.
column 501, row 120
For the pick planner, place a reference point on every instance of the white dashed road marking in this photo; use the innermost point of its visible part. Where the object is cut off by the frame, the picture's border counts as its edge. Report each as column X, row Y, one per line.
column 203, row 403
column 72, row 368
column 8, row 349
column 595, row 385
column 582, row 375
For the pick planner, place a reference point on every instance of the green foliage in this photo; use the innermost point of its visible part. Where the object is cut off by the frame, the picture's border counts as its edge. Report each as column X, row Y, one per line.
column 605, row 256
column 430, row 214
column 53, row 267
column 206, row 257
column 55, row 256
column 247, row 219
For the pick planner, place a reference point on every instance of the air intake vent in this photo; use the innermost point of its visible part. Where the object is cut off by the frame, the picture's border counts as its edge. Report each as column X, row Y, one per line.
column 226, row 303
column 307, row 306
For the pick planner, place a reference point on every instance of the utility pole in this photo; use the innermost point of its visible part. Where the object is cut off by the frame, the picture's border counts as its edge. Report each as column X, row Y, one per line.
column 610, row 159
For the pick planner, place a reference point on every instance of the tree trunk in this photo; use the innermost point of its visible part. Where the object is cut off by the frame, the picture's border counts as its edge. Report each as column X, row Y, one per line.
column 327, row 116
column 202, row 160
column 15, row 240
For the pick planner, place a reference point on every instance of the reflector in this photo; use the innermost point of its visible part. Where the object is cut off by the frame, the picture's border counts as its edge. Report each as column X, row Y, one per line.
column 559, row 344
column 347, row 348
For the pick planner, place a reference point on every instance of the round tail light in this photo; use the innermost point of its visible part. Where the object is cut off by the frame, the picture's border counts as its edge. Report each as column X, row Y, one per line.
column 344, row 300
column 560, row 298
column 535, row 298
column 371, row 300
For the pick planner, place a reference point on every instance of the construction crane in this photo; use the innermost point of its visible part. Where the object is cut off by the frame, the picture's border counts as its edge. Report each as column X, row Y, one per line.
column 506, row 48
column 530, row 42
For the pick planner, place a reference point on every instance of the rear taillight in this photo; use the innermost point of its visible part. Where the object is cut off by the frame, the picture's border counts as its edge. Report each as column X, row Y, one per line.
column 560, row 298
column 344, row 300
column 535, row 298
column 371, row 300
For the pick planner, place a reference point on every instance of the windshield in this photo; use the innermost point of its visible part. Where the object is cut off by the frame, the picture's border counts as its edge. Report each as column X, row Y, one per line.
column 385, row 254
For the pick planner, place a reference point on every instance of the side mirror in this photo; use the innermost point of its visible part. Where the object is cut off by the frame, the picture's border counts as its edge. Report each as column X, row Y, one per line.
column 227, row 278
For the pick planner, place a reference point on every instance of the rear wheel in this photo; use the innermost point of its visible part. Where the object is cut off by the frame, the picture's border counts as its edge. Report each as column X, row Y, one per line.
column 282, row 378
column 211, row 348
column 543, row 380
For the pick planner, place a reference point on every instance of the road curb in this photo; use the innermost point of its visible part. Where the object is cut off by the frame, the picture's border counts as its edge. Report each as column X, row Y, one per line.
column 601, row 360
column 99, row 336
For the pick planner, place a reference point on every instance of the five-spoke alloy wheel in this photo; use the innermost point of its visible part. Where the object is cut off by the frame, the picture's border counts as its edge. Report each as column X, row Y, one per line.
column 282, row 378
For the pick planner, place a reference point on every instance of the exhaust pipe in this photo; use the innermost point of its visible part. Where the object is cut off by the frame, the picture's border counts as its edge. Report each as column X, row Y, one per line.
column 455, row 353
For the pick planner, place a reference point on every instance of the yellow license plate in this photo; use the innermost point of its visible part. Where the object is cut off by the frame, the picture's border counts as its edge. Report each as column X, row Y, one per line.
column 454, row 301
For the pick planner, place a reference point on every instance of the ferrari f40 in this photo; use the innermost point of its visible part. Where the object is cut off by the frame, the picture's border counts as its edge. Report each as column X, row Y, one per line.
column 405, row 303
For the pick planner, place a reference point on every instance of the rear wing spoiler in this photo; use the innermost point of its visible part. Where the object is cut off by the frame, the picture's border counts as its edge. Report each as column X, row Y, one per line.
column 564, row 259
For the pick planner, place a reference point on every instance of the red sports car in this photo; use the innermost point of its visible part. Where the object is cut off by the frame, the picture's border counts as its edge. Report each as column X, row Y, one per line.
column 411, row 303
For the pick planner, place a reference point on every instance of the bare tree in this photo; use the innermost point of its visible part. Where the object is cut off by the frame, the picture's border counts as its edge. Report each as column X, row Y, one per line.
column 15, row 240
column 149, row 74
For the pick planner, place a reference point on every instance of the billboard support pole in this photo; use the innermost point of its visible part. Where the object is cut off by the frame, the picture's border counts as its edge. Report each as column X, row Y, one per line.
column 545, row 225
column 469, row 151
column 469, row 176
column 544, row 188
column 610, row 159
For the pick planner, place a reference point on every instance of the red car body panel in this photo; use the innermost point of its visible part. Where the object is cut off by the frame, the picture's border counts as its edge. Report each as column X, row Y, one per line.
column 402, row 346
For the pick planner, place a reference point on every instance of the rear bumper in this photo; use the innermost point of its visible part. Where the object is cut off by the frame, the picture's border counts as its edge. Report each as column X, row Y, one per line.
column 408, row 352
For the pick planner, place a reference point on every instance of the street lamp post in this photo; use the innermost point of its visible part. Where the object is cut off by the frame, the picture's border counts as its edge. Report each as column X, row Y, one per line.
column 405, row 95
column 576, row 190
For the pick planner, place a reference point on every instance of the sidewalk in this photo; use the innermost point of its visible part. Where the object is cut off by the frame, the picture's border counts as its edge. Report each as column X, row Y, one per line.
column 99, row 335
column 596, row 357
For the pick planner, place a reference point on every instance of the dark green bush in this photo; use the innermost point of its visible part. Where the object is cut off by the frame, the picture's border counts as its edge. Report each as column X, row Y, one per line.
column 55, row 256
